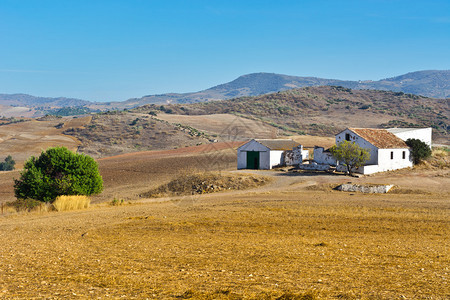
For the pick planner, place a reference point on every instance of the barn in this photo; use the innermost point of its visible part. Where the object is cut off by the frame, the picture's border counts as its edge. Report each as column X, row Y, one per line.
column 267, row 153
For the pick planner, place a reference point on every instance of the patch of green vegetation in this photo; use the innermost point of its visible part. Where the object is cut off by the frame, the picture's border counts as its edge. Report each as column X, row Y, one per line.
column 11, row 120
column 71, row 111
column 8, row 164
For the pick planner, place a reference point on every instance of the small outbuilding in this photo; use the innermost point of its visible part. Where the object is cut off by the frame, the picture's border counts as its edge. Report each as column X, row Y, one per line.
column 267, row 153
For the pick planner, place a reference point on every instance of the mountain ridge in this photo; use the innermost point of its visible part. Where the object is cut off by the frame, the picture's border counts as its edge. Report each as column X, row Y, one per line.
column 429, row 83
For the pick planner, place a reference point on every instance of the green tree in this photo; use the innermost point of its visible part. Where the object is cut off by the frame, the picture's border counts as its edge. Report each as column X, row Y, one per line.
column 8, row 164
column 58, row 171
column 419, row 150
column 350, row 154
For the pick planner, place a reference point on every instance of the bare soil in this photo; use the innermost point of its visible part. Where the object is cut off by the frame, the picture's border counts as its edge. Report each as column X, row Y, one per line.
column 24, row 139
column 225, row 126
column 254, row 245
column 294, row 237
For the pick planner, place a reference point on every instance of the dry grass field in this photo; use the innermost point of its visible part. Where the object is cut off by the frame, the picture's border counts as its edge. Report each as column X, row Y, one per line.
column 309, row 244
column 294, row 238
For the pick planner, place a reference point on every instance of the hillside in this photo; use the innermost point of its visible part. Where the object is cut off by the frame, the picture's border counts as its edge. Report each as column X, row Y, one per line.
column 431, row 83
column 434, row 84
column 24, row 138
column 113, row 133
column 327, row 110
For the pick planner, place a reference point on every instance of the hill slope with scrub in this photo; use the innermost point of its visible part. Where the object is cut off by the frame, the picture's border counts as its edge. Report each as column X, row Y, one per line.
column 327, row 110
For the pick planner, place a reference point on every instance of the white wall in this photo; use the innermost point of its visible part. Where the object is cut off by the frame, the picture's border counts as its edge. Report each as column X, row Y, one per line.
column 305, row 155
column 276, row 158
column 295, row 156
column 373, row 151
column 324, row 158
column 368, row 169
column 385, row 163
column 241, row 159
column 423, row 134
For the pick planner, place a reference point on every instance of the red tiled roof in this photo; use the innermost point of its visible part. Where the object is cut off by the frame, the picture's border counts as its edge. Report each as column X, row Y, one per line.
column 380, row 138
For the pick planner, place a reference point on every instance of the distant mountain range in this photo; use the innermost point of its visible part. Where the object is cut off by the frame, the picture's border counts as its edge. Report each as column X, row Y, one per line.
column 32, row 101
column 432, row 83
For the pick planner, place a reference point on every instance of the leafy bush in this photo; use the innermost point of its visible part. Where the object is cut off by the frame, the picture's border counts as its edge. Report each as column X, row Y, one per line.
column 8, row 164
column 419, row 150
column 58, row 171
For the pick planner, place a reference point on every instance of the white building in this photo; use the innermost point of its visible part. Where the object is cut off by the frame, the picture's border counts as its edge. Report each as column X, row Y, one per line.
column 387, row 151
column 268, row 153
column 423, row 134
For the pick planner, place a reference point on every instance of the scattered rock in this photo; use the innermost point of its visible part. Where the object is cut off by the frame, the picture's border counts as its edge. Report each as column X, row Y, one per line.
column 378, row 189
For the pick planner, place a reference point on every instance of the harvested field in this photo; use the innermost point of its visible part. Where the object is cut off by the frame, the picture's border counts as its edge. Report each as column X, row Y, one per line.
column 24, row 139
column 225, row 126
column 256, row 245
column 128, row 175
column 295, row 236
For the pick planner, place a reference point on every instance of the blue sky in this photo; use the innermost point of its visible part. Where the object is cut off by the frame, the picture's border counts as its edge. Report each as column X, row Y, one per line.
column 115, row 50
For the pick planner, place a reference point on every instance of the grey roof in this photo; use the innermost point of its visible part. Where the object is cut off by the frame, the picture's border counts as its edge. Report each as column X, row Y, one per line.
column 278, row 144
column 398, row 130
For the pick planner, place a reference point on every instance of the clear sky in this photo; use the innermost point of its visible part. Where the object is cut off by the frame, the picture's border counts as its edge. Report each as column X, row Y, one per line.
column 109, row 50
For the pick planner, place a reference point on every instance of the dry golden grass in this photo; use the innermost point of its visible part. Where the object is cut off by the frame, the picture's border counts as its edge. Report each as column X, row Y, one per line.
column 295, row 244
column 64, row 203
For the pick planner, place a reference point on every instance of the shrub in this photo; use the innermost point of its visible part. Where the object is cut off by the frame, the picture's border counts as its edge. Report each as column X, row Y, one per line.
column 24, row 204
column 8, row 164
column 58, row 171
column 419, row 150
column 117, row 202
column 350, row 154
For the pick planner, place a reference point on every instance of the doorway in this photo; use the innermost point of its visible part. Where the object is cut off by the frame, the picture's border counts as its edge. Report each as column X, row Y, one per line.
column 252, row 159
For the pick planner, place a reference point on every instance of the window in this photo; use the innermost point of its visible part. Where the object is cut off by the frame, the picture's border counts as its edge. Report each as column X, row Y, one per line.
column 404, row 154
column 392, row 154
column 347, row 137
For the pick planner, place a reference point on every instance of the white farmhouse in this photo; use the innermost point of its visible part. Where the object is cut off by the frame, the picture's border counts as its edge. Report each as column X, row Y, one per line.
column 423, row 134
column 387, row 151
column 268, row 153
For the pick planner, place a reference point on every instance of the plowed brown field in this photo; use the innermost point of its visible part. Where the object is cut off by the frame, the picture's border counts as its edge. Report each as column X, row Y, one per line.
column 263, row 244
column 126, row 176
column 295, row 237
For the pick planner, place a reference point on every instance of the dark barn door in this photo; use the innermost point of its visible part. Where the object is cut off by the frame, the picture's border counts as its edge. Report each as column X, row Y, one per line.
column 252, row 159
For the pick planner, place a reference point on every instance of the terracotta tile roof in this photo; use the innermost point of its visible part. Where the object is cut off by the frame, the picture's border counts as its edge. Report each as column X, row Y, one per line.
column 278, row 144
column 380, row 138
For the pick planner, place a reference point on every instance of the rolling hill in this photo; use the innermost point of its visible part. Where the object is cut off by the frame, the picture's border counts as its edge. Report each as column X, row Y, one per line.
column 431, row 83
column 326, row 110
